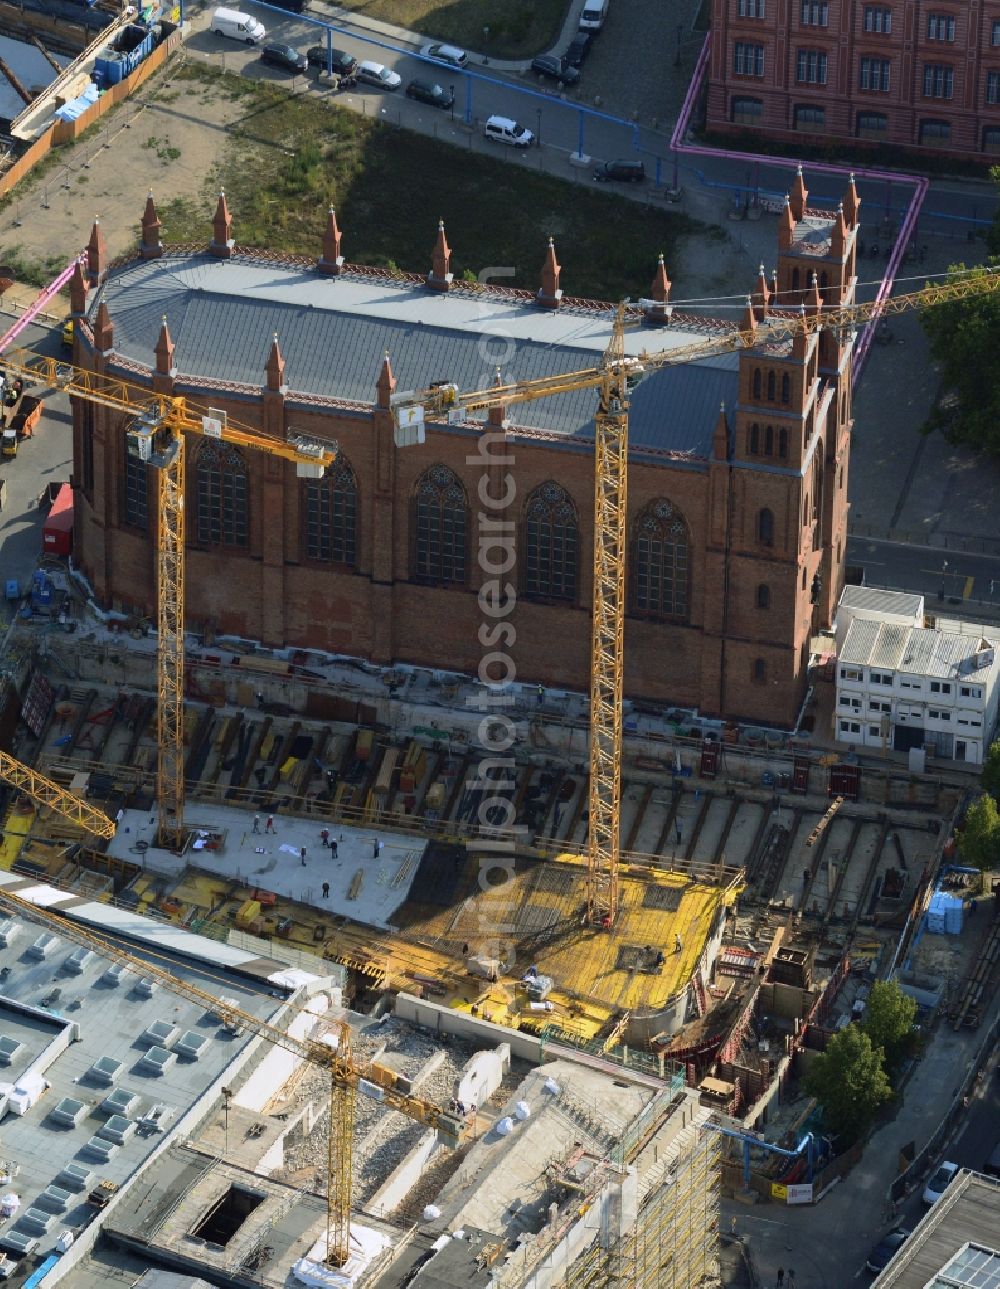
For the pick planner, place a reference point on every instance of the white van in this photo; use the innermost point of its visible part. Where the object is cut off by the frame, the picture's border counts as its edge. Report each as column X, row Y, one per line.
column 238, row 26
column 501, row 129
column 593, row 15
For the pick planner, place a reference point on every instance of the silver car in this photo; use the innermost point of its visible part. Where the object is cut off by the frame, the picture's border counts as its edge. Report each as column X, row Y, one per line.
column 380, row 75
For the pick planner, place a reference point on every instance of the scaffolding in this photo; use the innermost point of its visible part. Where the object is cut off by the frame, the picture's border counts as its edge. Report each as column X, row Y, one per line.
column 674, row 1242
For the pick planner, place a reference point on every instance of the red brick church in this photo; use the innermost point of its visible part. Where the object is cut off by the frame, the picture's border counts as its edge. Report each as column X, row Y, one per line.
column 737, row 474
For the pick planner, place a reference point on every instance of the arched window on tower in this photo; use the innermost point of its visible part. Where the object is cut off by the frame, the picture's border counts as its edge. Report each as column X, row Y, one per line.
column 770, row 386
column 769, row 441
column 330, row 515
column 551, row 546
column 765, row 527
column 786, row 387
column 824, row 282
column 135, row 499
column 753, row 439
column 759, row 671
column 440, row 519
column 660, row 562
column 756, row 382
column 783, row 445
column 763, row 596
column 221, row 515
column 795, row 279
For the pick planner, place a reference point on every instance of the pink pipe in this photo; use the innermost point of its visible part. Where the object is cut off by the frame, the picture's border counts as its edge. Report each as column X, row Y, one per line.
column 920, row 184
column 38, row 304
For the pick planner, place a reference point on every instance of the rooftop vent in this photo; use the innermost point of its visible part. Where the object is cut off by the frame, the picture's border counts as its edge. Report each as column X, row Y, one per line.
column 117, row 1129
column 121, row 1101
column 98, row 1148
column 34, row 1220
column 156, row 1061
column 77, row 961
column 74, row 1177
column 42, row 947
column 145, row 987
column 190, row 1045
column 114, row 975
column 9, row 931
column 161, row 1033
column 54, row 1199
column 9, row 1048
column 67, row 1113
column 104, row 1071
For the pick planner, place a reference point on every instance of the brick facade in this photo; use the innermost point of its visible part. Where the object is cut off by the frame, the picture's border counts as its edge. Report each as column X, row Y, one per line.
column 757, row 587
column 917, row 74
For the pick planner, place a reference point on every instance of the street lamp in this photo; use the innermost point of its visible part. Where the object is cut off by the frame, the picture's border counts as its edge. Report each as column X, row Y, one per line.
column 486, row 41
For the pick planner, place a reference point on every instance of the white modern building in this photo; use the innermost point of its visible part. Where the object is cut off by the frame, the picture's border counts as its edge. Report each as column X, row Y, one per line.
column 905, row 681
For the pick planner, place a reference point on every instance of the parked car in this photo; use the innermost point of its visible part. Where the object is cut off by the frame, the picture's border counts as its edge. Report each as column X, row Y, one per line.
column 435, row 95
column 886, row 1249
column 939, row 1183
column 449, row 54
column 551, row 68
column 502, row 129
column 378, row 74
column 578, row 49
column 626, row 172
column 344, row 64
column 285, row 57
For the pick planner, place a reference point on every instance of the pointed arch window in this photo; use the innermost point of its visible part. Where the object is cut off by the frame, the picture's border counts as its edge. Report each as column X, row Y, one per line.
column 135, row 500
column 765, row 527
column 769, row 441
column 763, row 596
column 786, row 387
column 783, row 445
column 770, row 386
column 661, row 562
column 222, row 511
column 759, row 671
column 753, row 439
column 330, row 515
column 795, row 279
column 551, row 547
column 756, row 382
column 440, row 522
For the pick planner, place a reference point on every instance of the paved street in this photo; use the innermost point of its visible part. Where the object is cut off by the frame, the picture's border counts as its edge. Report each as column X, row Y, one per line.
column 45, row 457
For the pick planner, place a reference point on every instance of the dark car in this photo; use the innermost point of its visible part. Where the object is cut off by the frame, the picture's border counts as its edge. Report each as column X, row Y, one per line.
column 578, row 49
column 884, row 1252
column 626, row 172
column 426, row 92
column 551, row 68
column 285, row 57
column 344, row 64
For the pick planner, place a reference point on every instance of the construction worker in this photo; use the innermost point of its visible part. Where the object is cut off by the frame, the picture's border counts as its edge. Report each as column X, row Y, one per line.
column 256, row 823
column 678, row 943
column 326, row 890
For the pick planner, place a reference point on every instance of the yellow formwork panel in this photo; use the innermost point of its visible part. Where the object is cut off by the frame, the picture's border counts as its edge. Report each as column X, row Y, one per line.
column 16, row 827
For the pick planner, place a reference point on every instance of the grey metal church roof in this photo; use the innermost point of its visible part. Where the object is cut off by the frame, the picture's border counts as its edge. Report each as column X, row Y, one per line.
column 222, row 316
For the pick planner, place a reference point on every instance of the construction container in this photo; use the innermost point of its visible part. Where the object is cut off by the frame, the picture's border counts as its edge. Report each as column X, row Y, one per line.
column 363, row 746
column 383, row 782
column 57, row 535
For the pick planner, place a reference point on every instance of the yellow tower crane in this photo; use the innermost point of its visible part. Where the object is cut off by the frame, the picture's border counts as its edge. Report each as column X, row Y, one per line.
column 46, row 793
column 346, row 1076
column 155, row 434
column 613, row 378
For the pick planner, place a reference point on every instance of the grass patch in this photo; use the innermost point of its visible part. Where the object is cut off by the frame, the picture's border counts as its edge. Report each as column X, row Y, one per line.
column 35, row 272
column 291, row 157
column 518, row 28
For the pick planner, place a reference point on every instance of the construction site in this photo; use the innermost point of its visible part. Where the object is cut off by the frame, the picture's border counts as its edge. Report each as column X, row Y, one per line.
column 504, row 983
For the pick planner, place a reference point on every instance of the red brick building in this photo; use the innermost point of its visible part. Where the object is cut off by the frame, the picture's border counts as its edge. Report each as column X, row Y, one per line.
column 907, row 73
column 737, row 517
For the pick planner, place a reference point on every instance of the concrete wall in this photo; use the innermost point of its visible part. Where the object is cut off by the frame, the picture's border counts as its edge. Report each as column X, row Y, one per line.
column 403, row 1178
column 789, row 1001
column 443, row 1020
column 277, row 1064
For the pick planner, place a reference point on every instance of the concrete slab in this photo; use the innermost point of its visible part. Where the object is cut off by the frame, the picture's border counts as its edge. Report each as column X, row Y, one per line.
column 274, row 861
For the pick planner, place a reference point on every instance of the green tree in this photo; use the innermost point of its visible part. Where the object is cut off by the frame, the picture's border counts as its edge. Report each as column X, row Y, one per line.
column 849, row 1081
column 979, row 840
column 964, row 338
column 888, row 1021
column 990, row 777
